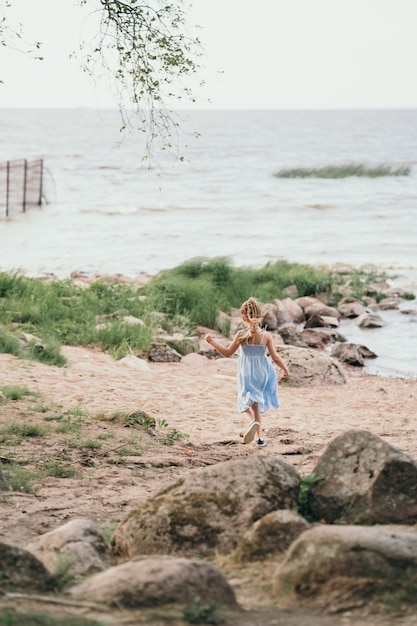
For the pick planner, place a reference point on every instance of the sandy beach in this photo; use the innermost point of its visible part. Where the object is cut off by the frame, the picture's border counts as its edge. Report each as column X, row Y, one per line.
column 194, row 402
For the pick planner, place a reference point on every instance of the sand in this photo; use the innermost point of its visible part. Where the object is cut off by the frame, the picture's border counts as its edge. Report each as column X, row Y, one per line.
column 195, row 398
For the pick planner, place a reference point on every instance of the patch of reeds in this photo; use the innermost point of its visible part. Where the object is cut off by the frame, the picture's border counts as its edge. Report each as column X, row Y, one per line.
column 360, row 170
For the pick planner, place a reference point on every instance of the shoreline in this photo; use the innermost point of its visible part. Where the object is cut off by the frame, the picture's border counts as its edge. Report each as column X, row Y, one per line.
column 406, row 367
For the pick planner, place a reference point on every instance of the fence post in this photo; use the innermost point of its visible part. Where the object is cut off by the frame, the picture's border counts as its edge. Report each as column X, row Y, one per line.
column 25, row 176
column 40, row 184
column 7, row 187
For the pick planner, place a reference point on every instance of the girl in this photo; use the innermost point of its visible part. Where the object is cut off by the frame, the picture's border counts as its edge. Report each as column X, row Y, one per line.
column 256, row 379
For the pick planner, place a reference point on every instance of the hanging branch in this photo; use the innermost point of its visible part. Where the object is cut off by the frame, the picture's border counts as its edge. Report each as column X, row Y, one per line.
column 145, row 50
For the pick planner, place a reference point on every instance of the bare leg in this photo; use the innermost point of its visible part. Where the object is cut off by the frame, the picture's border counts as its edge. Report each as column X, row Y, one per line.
column 258, row 417
column 253, row 428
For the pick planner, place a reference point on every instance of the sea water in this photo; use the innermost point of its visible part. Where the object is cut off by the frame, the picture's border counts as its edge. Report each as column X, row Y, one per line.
column 107, row 211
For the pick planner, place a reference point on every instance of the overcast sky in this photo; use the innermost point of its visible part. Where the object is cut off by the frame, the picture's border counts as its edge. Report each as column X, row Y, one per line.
column 270, row 54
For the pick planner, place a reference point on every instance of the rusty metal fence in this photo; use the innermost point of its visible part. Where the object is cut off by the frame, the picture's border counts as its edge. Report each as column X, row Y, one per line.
column 21, row 185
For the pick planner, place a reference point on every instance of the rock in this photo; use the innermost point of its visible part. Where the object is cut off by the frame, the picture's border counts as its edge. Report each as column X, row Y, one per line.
column 386, row 304
column 149, row 581
column 78, row 543
column 371, row 320
column 341, row 567
column 270, row 316
column 321, row 321
column 207, row 511
column 272, row 534
column 130, row 319
column 365, row 480
column 350, row 307
column 21, row 570
column 352, row 353
column 291, row 335
column 294, row 311
column 317, row 307
column 375, row 289
column 316, row 338
column 133, row 361
column 286, row 312
column 195, row 360
column 308, row 367
column 162, row 353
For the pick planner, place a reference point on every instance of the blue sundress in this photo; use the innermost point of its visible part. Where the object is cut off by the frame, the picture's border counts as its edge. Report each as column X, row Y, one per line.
column 256, row 378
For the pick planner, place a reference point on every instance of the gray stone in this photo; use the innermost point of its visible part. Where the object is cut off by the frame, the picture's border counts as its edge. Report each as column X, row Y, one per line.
column 292, row 335
column 309, row 367
column 208, row 510
column 148, row 581
column 350, row 307
column 162, row 353
column 272, row 534
column 340, row 567
column 352, row 353
column 365, row 480
column 20, row 570
column 77, row 543
column 370, row 320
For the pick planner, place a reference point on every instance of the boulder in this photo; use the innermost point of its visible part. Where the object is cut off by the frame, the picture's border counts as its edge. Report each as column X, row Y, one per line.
column 290, row 310
column 350, row 307
column 340, row 567
column 162, row 353
column 370, row 320
column 317, row 307
column 272, row 534
column 149, row 581
column 133, row 361
column 352, row 353
column 321, row 321
column 364, row 480
column 376, row 289
column 308, row 367
column 77, row 543
column 387, row 304
column 20, row 570
column 317, row 338
column 291, row 335
column 208, row 510
column 270, row 316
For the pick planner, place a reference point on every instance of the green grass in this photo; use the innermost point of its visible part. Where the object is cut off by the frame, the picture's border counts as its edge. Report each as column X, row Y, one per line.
column 303, row 506
column 55, row 469
column 194, row 293
column 20, row 431
column 15, row 392
column 19, row 478
column 10, row 618
column 345, row 170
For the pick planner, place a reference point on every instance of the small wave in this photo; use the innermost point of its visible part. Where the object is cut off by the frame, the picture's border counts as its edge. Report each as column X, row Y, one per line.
column 344, row 171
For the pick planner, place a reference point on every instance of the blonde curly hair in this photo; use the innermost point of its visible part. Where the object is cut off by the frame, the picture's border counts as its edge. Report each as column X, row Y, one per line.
column 251, row 310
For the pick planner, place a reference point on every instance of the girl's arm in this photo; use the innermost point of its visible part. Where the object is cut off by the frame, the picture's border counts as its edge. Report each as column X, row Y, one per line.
column 223, row 350
column 275, row 356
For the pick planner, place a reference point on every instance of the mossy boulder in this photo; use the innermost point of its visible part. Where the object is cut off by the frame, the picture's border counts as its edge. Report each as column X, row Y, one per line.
column 209, row 510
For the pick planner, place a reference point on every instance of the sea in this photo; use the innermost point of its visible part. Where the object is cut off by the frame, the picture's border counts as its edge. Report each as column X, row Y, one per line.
column 215, row 193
